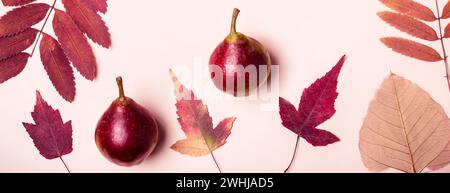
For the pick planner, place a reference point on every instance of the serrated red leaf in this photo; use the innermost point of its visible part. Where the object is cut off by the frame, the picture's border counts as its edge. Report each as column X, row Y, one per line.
column 16, row 2
column 58, row 67
column 447, row 31
column 22, row 18
column 88, row 21
column 409, row 25
column 446, row 11
column 97, row 5
column 411, row 8
column 412, row 49
column 12, row 45
column 316, row 106
column 75, row 45
column 50, row 135
column 193, row 116
column 12, row 66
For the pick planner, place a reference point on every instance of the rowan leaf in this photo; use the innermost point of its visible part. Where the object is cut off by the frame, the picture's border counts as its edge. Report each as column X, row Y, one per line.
column 12, row 66
column 97, row 5
column 193, row 116
column 50, row 135
column 411, row 8
column 12, row 45
column 16, row 2
column 409, row 25
column 22, row 18
column 447, row 31
column 412, row 49
column 404, row 129
column 446, row 11
column 316, row 106
column 88, row 21
column 58, row 67
column 75, row 45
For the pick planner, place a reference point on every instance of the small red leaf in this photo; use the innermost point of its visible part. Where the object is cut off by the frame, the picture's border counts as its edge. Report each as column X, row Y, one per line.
column 409, row 25
column 411, row 8
column 316, row 106
column 12, row 45
column 16, row 2
column 88, row 21
column 58, row 67
column 193, row 116
column 97, row 5
column 50, row 135
column 75, row 45
column 13, row 66
column 412, row 49
column 447, row 31
column 22, row 18
column 446, row 11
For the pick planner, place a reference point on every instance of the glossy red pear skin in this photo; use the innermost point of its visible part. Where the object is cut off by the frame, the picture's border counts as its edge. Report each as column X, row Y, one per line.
column 238, row 49
column 126, row 133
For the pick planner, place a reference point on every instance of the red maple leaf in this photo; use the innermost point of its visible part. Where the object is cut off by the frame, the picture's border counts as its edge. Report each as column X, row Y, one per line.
column 71, row 47
column 50, row 135
column 316, row 106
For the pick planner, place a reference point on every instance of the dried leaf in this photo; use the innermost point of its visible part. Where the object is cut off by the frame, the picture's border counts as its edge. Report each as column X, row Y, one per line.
column 12, row 66
column 446, row 11
column 50, row 135
column 447, row 31
column 409, row 25
column 404, row 128
column 411, row 8
column 10, row 46
column 75, row 45
column 16, row 2
column 193, row 116
column 22, row 18
column 316, row 106
column 58, row 67
column 412, row 49
column 97, row 5
column 88, row 21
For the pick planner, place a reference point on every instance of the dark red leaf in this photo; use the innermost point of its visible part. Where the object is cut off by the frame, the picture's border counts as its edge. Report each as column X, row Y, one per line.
column 58, row 67
column 13, row 66
column 97, row 5
column 16, row 2
column 446, row 11
column 10, row 46
column 75, row 45
column 22, row 18
column 50, row 135
column 88, row 21
column 316, row 106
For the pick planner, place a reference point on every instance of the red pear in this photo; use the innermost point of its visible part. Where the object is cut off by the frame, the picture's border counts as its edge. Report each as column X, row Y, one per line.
column 240, row 63
column 126, row 133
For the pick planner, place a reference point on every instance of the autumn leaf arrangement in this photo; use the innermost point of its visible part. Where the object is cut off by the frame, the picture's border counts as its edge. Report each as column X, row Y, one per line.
column 80, row 19
column 405, row 129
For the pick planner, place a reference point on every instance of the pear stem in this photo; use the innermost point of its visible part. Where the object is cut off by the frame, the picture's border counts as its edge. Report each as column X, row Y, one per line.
column 120, row 85
column 233, row 20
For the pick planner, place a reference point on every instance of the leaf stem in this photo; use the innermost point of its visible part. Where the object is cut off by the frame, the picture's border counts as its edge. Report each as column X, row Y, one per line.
column 120, row 85
column 441, row 38
column 65, row 165
column 42, row 28
column 293, row 155
column 215, row 161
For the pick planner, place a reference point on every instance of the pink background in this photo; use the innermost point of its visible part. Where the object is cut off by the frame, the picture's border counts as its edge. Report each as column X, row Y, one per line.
column 149, row 37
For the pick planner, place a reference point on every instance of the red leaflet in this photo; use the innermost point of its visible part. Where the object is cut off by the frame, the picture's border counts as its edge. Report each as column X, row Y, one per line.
column 88, row 21
column 446, row 11
column 97, row 5
column 58, row 67
column 75, row 45
column 22, row 18
column 50, row 135
column 13, row 66
column 316, row 106
column 16, row 2
column 13, row 45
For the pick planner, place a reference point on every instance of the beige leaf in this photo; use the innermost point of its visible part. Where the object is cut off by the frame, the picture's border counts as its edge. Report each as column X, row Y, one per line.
column 404, row 129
